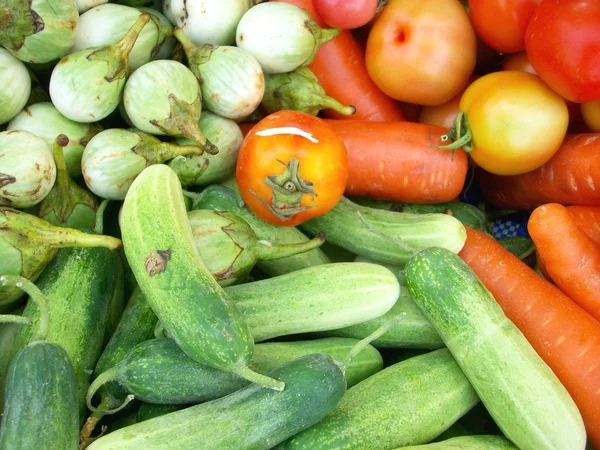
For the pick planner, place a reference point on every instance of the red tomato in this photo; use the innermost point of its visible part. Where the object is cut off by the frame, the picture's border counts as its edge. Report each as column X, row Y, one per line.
column 563, row 45
column 422, row 52
column 501, row 24
column 291, row 167
column 346, row 14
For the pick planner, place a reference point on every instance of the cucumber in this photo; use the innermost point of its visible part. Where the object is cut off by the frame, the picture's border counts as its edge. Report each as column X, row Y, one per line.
column 408, row 403
column 116, row 303
column 149, row 411
column 158, row 371
column 253, row 418
column 225, row 199
column 520, row 391
column 8, row 332
column 41, row 400
column 480, row 442
column 414, row 331
column 386, row 236
column 159, row 246
column 318, row 298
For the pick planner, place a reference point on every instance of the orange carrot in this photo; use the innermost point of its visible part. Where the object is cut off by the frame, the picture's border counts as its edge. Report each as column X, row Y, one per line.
column 570, row 177
column 564, row 335
column 588, row 219
column 340, row 67
column 570, row 257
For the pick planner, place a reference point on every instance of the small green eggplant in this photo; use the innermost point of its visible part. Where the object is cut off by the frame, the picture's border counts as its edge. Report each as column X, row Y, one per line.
column 15, row 86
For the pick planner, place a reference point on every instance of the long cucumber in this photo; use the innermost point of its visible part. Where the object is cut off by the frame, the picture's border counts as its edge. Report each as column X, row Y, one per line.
column 478, row 442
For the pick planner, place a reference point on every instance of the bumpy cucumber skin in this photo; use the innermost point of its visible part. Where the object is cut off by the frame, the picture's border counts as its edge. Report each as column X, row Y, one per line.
column 149, row 411
column 252, row 418
column 41, row 401
column 480, row 442
column 191, row 305
column 8, row 333
column 318, row 298
column 117, row 301
column 405, row 404
column 522, row 394
column 225, row 199
column 79, row 284
column 413, row 331
column 386, row 236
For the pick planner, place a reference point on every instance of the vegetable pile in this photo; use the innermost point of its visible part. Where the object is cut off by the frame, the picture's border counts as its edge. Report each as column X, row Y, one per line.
column 300, row 224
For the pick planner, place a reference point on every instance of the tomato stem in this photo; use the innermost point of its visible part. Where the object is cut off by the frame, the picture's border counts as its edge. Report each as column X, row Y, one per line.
column 460, row 133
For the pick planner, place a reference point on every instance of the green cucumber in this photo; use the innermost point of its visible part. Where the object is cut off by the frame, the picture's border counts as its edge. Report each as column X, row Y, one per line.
column 8, row 332
column 252, row 418
column 158, row 371
column 116, row 303
column 318, row 298
column 159, row 246
column 522, row 394
column 41, row 400
column 408, row 403
column 149, row 411
column 468, row 214
column 225, row 199
column 414, row 331
column 480, row 442
column 386, row 236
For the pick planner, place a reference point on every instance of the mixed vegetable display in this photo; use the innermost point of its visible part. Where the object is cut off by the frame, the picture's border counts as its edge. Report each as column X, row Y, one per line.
column 300, row 224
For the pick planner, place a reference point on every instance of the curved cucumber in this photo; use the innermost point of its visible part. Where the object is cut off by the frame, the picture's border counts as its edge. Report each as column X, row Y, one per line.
column 149, row 411
column 480, row 442
column 405, row 404
column 519, row 390
column 8, row 333
column 253, row 418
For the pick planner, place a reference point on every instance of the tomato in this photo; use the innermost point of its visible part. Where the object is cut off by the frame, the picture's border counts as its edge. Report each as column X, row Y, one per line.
column 346, row 14
column 443, row 115
column 518, row 61
column 591, row 115
column 291, row 167
column 563, row 44
column 501, row 24
column 516, row 122
column 423, row 51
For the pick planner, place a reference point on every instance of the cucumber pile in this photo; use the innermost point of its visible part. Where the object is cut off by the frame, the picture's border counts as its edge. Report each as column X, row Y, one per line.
column 144, row 305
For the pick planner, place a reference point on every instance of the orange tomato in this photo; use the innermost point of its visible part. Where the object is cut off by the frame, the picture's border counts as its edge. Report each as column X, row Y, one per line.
column 443, row 115
column 291, row 167
column 590, row 112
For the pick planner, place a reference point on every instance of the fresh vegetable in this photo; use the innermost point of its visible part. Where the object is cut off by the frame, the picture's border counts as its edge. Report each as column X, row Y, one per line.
column 299, row 90
column 386, row 236
column 281, row 36
column 476, row 442
column 149, row 411
column 163, row 97
column 168, row 45
column 588, row 219
column 291, row 167
column 522, row 247
column 231, row 79
column 204, row 170
column 67, row 204
column 225, row 199
column 46, row 122
column 510, row 122
column 115, row 157
column 590, row 112
column 573, row 261
column 423, row 52
column 560, row 41
column 39, row 31
column 8, row 331
column 27, row 169
column 229, row 248
column 159, row 246
column 408, row 403
column 85, row 5
column 109, row 23
column 15, row 86
column 346, row 14
column 570, row 177
column 563, row 334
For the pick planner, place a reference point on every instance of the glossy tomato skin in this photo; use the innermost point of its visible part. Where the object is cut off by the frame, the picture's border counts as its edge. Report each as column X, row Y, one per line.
column 563, row 44
column 517, row 121
column 291, row 167
column 443, row 115
column 346, row 14
column 422, row 52
column 591, row 115
column 501, row 24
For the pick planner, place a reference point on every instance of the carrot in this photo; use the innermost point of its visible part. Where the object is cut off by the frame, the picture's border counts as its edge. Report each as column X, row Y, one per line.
column 564, row 335
column 588, row 219
column 541, row 264
column 570, row 257
column 570, row 177
column 340, row 67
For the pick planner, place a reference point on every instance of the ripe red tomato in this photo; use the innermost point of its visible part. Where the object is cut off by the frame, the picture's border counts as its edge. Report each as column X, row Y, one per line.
column 501, row 24
column 563, row 44
column 291, row 167
column 421, row 52
column 346, row 14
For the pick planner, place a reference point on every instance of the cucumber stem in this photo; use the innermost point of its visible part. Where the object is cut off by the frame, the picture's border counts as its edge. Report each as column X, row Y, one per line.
column 90, row 424
column 262, row 380
column 265, row 251
column 111, row 374
column 99, row 227
column 14, row 318
column 36, row 296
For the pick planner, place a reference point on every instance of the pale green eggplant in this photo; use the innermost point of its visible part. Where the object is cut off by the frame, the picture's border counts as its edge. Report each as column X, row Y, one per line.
column 85, row 5
column 15, row 86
